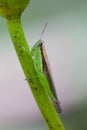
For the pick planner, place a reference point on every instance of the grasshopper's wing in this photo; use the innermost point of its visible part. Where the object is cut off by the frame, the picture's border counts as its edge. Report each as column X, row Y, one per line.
column 47, row 72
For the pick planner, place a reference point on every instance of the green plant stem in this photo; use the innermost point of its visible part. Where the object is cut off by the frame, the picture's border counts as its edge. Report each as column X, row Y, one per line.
column 46, row 107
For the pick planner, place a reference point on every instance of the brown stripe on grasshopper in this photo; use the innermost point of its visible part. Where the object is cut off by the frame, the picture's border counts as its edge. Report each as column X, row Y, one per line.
column 48, row 74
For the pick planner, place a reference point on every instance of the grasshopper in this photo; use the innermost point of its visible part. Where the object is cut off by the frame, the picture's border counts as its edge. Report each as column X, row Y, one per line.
column 43, row 70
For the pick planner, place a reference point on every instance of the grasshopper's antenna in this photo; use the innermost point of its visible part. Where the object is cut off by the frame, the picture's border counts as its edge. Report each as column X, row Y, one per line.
column 43, row 30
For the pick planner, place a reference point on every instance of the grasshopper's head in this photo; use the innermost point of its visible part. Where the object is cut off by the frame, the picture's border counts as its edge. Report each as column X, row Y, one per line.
column 12, row 8
column 36, row 47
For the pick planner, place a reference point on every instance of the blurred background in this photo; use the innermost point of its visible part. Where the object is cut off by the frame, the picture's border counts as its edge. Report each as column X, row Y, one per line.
column 66, row 44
